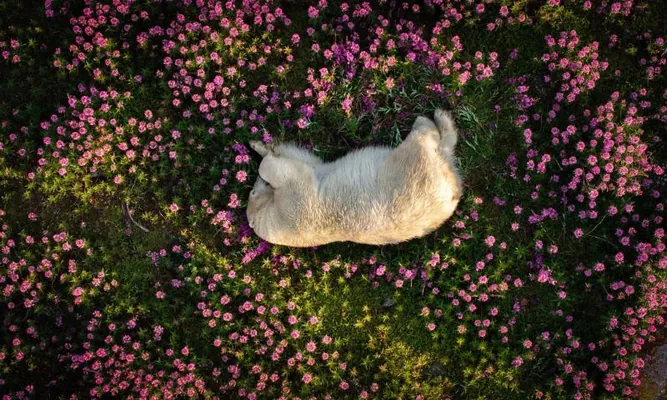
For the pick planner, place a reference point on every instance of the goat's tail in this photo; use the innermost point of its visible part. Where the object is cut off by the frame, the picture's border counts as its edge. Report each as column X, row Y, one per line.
column 447, row 128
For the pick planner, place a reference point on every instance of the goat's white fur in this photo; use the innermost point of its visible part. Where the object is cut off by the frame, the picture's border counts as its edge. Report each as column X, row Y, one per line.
column 374, row 195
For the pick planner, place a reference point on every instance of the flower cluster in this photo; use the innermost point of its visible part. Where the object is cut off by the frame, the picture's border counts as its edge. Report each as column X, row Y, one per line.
column 575, row 67
column 9, row 50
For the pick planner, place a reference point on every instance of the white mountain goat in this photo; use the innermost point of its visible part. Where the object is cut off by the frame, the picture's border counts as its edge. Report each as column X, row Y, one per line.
column 374, row 195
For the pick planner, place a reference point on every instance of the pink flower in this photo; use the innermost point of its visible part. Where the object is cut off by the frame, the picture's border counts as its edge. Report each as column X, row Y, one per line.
column 543, row 276
column 301, row 123
column 347, row 105
column 307, row 378
column 241, row 176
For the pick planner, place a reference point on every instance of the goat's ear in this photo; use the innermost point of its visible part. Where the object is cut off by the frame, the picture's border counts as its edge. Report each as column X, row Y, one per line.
column 261, row 148
column 278, row 170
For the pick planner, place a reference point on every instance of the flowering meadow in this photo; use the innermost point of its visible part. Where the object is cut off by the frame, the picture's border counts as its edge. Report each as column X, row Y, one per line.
column 127, row 266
